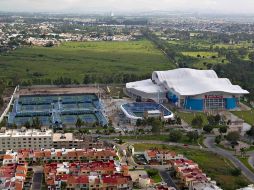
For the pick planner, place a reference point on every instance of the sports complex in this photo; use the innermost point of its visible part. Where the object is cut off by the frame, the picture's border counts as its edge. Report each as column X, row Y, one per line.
column 57, row 110
column 190, row 89
column 141, row 110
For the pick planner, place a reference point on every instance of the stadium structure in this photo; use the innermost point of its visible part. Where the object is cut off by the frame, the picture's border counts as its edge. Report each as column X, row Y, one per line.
column 57, row 110
column 190, row 89
column 141, row 110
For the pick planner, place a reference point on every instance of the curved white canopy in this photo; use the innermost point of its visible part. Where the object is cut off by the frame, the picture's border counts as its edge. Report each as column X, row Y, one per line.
column 189, row 82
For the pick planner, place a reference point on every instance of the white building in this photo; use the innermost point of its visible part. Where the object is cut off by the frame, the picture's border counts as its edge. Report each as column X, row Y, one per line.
column 191, row 89
column 211, row 185
column 15, row 139
column 161, row 156
column 250, row 187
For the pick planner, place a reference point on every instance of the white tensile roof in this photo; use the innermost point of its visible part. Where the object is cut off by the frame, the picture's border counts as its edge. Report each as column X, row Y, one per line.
column 187, row 82
column 146, row 86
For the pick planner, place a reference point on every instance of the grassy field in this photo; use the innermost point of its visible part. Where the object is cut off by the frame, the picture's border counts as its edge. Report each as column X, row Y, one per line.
column 244, row 160
column 154, row 175
column 203, row 54
column 163, row 138
column 74, row 59
column 247, row 116
column 214, row 166
column 188, row 116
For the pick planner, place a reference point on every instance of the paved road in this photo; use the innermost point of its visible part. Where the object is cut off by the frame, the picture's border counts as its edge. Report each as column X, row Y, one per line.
column 251, row 158
column 167, row 179
column 37, row 178
column 209, row 143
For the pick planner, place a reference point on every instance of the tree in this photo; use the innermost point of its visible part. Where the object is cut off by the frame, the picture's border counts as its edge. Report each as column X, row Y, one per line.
column 214, row 120
column 156, row 126
column 27, row 124
column 175, row 136
column 243, row 152
column 223, row 129
column 138, row 122
column 251, row 56
column 208, row 128
column 79, row 123
column 36, row 123
column 218, row 139
column 236, row 172
column 1, row 101
column 193, row 135
column 251, row 132
column 233, row 137
column 178, row 120
column 197, row 121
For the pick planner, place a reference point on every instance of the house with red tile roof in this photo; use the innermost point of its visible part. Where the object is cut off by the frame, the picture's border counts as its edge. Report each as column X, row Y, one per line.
column 64, row 155
column 161, row 156
column 13, row 176
column 89, row 175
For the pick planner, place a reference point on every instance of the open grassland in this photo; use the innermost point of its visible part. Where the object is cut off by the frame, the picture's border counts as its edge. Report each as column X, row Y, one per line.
column 213, row 165
column 247, row 116
column 159, row 137
column 203, row 54
column 189, row 116
column 74, row 59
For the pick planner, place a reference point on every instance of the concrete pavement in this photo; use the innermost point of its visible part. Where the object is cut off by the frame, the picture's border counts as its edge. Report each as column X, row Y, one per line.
column 210, row 144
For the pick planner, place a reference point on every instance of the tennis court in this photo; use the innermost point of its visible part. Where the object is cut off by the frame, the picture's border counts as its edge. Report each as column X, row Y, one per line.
column 67, row 108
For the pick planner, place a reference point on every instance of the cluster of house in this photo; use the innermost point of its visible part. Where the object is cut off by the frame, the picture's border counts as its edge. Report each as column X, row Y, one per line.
column 58, row 155
column 187, row 171
column 13, row 176
column 89, row 175
column 72, row 169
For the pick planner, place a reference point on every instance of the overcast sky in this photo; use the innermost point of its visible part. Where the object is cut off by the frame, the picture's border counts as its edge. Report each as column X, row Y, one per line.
column 218, row 6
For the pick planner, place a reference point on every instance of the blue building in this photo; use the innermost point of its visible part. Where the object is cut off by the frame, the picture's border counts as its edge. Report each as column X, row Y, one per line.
column 191, row 89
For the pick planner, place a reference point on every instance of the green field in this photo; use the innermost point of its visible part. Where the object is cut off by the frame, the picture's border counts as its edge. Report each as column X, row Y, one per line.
column 213, row 165
column 74, row 59
column 189, row 116
column 163, row 138
column 204, row 54
column 247, row 116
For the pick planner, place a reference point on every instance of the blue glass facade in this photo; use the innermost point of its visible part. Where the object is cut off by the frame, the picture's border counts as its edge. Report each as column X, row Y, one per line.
column 194, row 104
column 172, row 97
column 231, row 103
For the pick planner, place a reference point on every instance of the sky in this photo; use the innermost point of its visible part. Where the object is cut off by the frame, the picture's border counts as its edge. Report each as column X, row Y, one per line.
column 82, row 6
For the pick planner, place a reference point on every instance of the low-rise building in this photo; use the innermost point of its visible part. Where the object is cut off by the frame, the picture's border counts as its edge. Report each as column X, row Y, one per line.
column 13, row 176
column 211, row 185
column 92, row 175
column 191, row 176
column 250, row 187
column 68, row 140
column 25, row 139
column 161, row 156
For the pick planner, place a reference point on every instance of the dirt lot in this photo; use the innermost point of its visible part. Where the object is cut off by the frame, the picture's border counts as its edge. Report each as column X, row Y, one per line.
column 59, row 90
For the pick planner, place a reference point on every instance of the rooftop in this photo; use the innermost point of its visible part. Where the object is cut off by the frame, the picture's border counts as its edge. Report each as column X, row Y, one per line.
column 26, row 133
